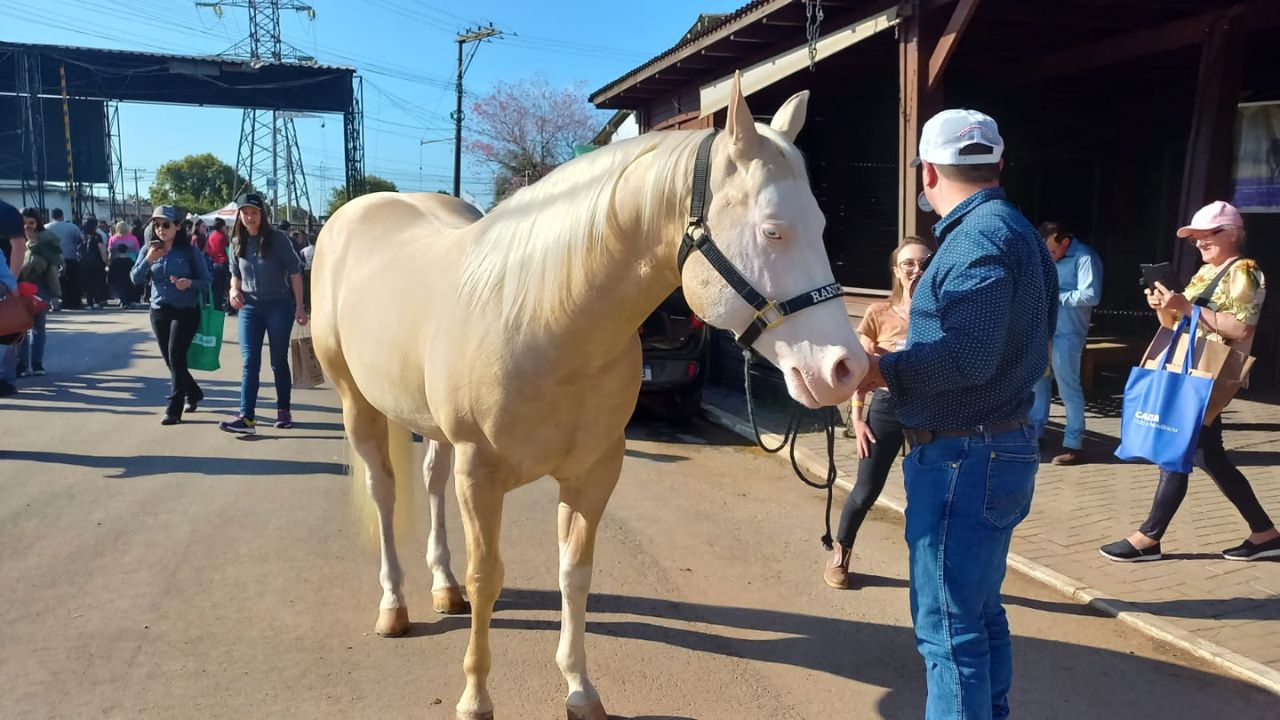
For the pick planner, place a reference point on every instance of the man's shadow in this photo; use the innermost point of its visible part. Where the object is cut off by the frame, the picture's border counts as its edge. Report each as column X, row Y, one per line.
column 1052, row 678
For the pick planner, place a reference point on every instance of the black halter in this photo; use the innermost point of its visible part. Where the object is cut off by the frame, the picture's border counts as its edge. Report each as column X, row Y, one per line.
column 769, row 313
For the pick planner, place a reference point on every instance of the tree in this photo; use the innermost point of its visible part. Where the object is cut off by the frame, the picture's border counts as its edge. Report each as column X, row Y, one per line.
column 527, row 128
column 372, row 183
column 196, row 183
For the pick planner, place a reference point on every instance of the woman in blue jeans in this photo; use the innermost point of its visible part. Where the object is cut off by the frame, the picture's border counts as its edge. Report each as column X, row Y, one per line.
column 266, row 290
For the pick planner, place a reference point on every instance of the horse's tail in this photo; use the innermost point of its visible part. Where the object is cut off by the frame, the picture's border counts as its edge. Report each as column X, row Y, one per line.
column 400, row 448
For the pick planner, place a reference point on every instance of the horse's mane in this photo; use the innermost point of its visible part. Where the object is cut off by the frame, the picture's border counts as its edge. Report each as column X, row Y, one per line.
column 538, row 249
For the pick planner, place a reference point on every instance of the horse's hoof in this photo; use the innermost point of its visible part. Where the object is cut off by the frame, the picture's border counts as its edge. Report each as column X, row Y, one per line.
column 591, row 711
column 392, row 622
column 448, row 601
column 487, row 715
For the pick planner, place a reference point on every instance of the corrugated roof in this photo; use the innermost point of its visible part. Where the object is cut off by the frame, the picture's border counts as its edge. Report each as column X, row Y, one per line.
column 710, row 24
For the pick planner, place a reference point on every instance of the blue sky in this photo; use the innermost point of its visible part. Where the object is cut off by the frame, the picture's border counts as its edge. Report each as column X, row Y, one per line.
column 403, row 48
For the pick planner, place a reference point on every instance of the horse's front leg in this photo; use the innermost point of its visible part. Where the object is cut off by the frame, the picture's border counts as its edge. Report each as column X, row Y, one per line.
column 479, row 484
column 582, row 503
column 446, row 595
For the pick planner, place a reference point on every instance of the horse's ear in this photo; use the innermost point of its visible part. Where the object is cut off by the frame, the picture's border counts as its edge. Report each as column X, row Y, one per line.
column 740, row 125
column 790, row 117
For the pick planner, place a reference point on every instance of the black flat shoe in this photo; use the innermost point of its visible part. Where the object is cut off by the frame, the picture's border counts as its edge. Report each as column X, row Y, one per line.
column 1124, row 551
column 169, row 420
column 1247, row 551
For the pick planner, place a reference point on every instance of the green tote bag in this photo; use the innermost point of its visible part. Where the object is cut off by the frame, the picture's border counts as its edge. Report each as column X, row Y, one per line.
column 207, row 344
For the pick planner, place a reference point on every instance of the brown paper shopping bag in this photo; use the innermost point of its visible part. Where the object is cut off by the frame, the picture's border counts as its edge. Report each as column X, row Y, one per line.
column 307, row 372
column 1228, row 367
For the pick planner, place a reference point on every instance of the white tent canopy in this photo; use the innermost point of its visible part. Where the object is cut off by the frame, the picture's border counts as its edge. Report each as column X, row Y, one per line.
column 226, row 212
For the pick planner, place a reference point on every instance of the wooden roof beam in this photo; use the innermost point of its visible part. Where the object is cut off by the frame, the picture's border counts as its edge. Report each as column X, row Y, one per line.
column 1131, row 46
column 946, row 47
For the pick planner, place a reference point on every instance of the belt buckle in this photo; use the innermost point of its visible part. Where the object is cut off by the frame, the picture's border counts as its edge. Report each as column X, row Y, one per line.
column 762, row 315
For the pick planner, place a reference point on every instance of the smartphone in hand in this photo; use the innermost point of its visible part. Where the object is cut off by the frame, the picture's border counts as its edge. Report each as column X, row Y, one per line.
column 1162, row 273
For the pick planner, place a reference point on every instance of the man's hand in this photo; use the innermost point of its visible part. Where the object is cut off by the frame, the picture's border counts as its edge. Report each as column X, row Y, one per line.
column 873, row 379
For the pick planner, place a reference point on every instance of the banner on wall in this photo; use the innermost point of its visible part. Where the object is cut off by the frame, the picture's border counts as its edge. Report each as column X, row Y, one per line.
column 1257, row 174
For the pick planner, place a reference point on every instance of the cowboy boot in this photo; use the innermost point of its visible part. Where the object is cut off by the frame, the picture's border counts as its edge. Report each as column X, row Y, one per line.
column 837, row 572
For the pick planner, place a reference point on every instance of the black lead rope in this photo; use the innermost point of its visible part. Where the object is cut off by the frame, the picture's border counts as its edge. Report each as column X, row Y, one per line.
column 768, row 314
column 790, row 436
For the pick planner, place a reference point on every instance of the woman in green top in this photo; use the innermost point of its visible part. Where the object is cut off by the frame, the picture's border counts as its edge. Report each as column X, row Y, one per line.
column 44, row 259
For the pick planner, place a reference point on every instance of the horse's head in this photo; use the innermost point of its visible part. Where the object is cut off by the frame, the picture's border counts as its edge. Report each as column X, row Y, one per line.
column 765, row 219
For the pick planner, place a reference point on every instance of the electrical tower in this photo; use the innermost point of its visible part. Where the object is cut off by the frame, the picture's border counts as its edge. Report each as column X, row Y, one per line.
column 269, row 155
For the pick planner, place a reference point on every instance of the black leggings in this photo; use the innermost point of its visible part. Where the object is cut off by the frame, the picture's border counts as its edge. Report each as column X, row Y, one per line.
column 175, row 328
column 1212, row 458
column 873, row 470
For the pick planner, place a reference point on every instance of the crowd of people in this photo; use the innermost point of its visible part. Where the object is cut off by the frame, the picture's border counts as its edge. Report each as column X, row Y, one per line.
column 94, row 265
column 978, row 328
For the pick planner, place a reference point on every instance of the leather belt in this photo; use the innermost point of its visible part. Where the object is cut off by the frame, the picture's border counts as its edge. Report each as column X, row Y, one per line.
column 918, row 437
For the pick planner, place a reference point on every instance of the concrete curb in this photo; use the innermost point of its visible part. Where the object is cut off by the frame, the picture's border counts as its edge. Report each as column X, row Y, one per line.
column 1223, row 658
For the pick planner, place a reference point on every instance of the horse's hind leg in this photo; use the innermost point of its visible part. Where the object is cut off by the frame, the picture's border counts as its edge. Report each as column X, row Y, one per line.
column 367, row 430
column 582, row 503
column 446, row 596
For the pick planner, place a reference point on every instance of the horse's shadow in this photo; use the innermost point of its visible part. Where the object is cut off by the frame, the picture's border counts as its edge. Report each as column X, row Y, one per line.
column 872, row 653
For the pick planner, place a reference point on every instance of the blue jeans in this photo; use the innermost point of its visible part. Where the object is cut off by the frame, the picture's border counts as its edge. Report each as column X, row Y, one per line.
column 31, row 351
column 274, row 319
column 964, row 497
column 9, row 361
column 1066, row 373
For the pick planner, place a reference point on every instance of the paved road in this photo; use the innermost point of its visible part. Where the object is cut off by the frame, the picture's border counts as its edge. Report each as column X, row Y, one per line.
column 179, row 572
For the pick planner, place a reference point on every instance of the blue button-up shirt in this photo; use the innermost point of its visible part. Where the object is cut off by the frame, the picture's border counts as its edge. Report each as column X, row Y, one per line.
column 180, row 262
column 981, row 319
column 1079, row 289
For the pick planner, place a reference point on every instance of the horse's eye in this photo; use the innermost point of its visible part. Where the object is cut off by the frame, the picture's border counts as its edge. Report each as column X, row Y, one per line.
column 771, row 232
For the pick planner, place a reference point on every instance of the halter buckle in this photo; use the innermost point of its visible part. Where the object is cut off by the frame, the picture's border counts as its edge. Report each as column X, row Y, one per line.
column 763, row 315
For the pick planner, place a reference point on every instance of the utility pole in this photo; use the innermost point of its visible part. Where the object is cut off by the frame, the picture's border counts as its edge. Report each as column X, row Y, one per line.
column 137, row 196
column 462, row 39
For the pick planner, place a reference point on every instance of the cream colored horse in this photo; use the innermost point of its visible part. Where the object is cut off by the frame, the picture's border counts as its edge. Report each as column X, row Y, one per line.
column 509, row 341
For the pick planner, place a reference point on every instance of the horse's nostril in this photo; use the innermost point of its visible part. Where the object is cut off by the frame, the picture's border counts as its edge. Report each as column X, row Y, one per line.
column 842, row 374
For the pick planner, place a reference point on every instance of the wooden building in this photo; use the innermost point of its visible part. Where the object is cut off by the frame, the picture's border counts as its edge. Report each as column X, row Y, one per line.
column 1119, row 117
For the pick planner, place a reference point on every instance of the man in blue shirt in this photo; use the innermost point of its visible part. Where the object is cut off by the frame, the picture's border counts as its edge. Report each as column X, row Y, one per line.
column 1079, row 290
column 981, row 319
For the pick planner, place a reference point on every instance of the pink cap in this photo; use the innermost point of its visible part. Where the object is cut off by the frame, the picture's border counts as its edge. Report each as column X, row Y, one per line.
column 1211, row 217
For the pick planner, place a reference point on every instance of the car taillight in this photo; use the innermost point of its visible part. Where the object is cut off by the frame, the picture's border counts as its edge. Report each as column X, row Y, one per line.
column 692, row 370
column 695, row 322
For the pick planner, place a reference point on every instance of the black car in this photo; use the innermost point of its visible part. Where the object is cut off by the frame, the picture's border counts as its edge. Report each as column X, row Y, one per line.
column 675, row 345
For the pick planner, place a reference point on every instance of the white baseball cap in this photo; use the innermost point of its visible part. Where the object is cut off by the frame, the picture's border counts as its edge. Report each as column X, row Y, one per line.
column 945, row 137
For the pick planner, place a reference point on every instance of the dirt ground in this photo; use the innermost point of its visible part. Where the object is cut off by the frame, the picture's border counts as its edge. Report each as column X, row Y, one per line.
column 180, row 573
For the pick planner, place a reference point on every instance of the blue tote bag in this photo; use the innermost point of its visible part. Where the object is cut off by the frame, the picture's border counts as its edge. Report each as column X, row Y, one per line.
column 1164, row 409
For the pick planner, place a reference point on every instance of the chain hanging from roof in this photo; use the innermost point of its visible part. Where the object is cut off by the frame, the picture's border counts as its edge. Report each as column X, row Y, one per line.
column 812, row 21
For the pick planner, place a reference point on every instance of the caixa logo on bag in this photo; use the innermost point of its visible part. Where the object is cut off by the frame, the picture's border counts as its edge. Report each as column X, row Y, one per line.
column 1151, row 420
column 205, row 340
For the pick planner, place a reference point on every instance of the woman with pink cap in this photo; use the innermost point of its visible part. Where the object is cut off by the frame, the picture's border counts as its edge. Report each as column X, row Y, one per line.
column 1234, row 289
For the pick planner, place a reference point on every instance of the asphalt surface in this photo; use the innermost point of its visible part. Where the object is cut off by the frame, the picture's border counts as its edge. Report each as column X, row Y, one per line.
column 158, row 572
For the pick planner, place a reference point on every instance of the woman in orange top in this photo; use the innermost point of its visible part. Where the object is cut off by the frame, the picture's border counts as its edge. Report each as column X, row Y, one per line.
column 883, row 330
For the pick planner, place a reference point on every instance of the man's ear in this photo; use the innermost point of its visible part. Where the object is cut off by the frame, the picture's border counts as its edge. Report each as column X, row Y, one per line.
column 929, row 174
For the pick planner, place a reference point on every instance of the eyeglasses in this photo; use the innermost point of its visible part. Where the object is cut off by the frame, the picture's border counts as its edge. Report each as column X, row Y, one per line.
column 1211, row 237
column 915, row 264
column 162, row 225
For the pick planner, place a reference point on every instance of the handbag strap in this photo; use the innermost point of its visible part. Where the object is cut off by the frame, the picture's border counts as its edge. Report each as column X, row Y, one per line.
column 1204, row 298
column 1191, row 324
